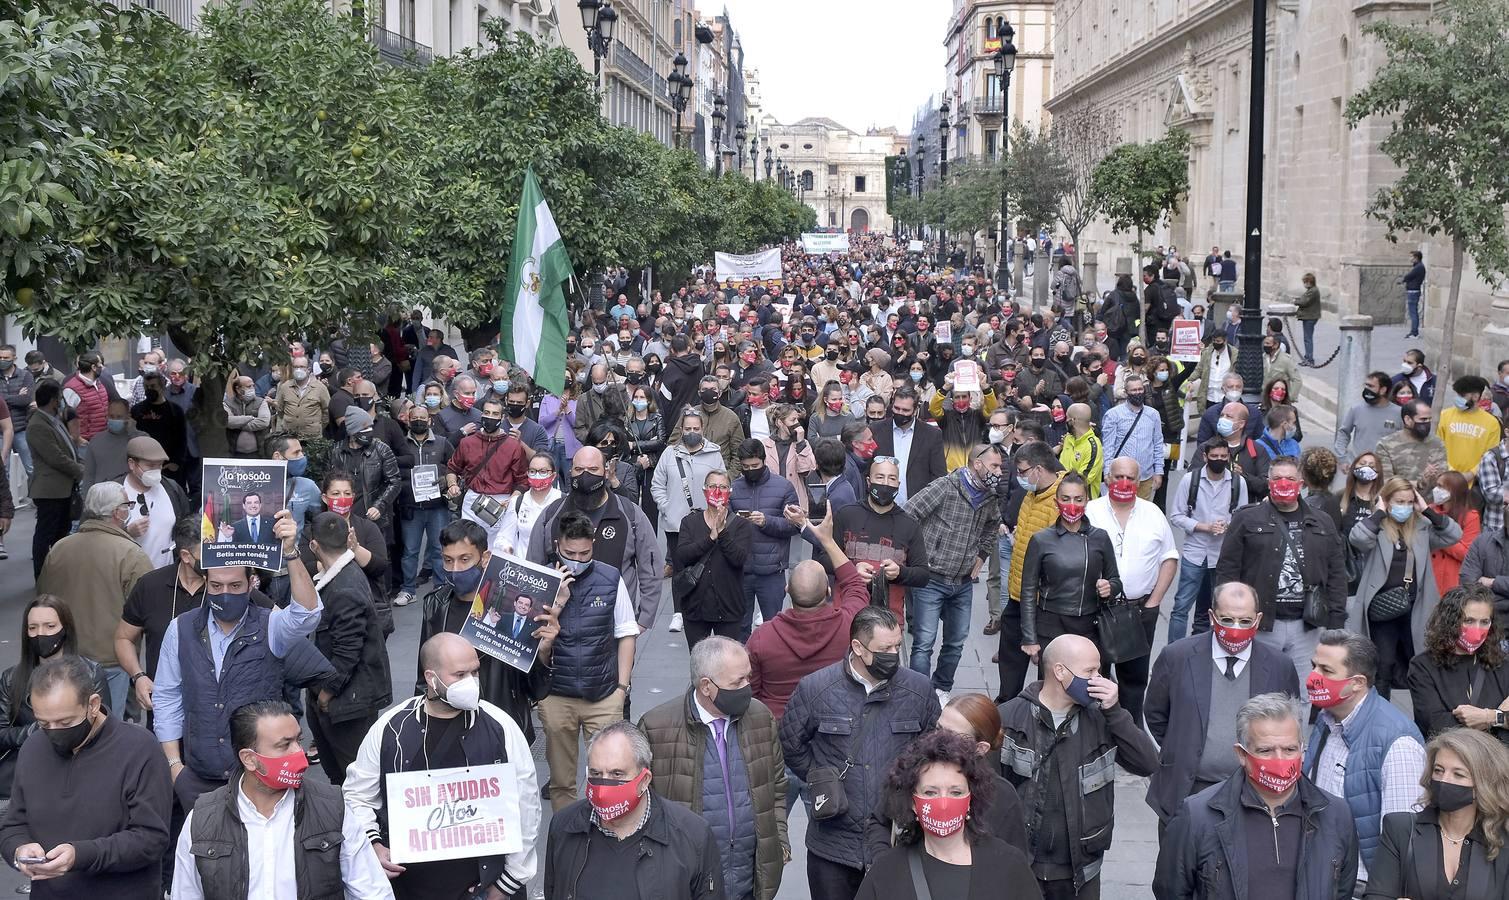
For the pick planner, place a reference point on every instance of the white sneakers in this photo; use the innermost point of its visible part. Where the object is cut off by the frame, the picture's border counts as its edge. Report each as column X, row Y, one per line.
column 758, row 619
column 404, row 598
column 675, row 622
column 942, row 697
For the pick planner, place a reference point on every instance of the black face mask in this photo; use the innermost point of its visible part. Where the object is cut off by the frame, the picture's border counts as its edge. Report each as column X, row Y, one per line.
column 364, row 439
column 756, row 476
column 1037, row 362
column 419, row 429
column 588, row 483
column 884, row 665
column 733, row 702
column 1369, row 395
column 491, row 425
column 229, row 607
column 363, row 402
column 635, row 378
column 654, row 368
column 883, row 494
column 1422, row 430
column 708, row 397
column 66, row 740
column 45, row 645
column 516, row 410
column 1450, row 797
column 1136, row 399
column 831, row 355
column 1217, row 466
column 901, row 421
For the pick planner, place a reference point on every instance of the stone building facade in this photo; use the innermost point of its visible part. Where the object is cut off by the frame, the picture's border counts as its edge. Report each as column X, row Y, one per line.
column 840, row 172
column 973, row 91
column 1165, row 64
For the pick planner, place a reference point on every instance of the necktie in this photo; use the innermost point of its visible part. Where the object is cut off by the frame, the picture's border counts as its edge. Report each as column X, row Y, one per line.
column 1231, row 667
column 518, row 626
column 720, row 728
column 254, row 530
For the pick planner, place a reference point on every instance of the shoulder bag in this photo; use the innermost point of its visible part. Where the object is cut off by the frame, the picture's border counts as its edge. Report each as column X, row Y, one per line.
column 1386, row 606
column 1118, row 626
column 485, row 508
column 684, row 582
column 1316, row 613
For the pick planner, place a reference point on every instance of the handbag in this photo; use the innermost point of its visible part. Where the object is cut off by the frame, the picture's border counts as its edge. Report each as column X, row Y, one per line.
column 825, row 785
column 1119, row 626
column 1386, row 606
column 1316, row 612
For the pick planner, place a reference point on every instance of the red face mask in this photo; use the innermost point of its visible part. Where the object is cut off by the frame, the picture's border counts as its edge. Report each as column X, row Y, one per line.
column 613, row 800
column 1284, row 490
column 1325, row 692
column 1274, row 775
column 1071, row 512
column 1123, row 491
column 485, row 369
column 465, row 402
column 847, row 378
column 716, row 497
column 1233, row 640
column 284, row 773
column 961, row 405
column 540, row 482
column 941, row 816
column 865, row 450
column 1008, row 375
column 1058, row 415
column 1278, row 395
column 749, row 358
column 341, row 506
column 1470, row 638
column 835, row 405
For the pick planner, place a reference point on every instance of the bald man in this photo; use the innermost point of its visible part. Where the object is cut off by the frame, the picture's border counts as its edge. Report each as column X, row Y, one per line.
column 1246, row 459
column 814, row 631
column 1060, row 734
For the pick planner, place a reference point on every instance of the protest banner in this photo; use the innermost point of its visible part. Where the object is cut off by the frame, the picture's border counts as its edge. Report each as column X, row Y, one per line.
column 916, row 247
column 1184, row 342
column 968, row 375
column 816, row 244
column 241, row 499
column 945, row 332
column 732, row 269
column 461, row 813
column 501, row 621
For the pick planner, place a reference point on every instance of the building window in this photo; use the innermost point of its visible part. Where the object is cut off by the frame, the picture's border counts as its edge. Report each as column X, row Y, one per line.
column 406, row 18
column 990, row 145
column 832, row 170
column 859, row 184
column 807, row 180
column 832, row 218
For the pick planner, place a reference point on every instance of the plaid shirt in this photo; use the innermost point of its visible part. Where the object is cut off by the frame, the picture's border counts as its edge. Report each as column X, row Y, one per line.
column 1144, row 442
column 955, row 532
column 1491, row 482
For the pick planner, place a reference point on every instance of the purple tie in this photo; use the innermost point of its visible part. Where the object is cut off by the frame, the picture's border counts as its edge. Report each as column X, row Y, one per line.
column 720, row 727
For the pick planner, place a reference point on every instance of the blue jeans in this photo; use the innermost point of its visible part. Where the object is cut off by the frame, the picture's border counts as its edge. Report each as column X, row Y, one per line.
column 23, row 450
column 768, row 590
column 119, row 683
column 1004, row 546
column 934, row 602
column 1309, row 326
column 1226, row 286
column 1194, row 585
column 1412, row 301
column 421, row 525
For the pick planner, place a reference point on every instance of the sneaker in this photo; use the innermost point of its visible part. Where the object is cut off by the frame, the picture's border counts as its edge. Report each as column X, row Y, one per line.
column 758, row 619
column 942, row 697
column 404, row 598
column 3, row 553
column 675, row 622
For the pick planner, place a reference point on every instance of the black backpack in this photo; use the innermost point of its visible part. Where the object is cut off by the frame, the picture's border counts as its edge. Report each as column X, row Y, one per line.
column 1113, row 314
column 1194, row 490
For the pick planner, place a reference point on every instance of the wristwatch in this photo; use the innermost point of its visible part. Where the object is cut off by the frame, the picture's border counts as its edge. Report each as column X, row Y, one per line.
column 136, row 676
column 1498, row 718
column 625, row 689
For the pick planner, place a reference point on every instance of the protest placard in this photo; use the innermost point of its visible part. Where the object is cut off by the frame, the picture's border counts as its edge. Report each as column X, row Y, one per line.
column 460, row 813
column 501, row 621
column 1184, row 342
column 241, row 499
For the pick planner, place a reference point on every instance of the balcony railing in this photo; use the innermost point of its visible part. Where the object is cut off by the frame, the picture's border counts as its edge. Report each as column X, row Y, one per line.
column 632, row 65
column 987, row 106
column 183, row 13
column 397, row 50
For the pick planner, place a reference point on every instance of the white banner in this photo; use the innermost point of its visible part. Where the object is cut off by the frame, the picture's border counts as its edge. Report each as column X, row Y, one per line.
column 915, row 247
column 732, row 268
column 460, row 813
column 817, row 244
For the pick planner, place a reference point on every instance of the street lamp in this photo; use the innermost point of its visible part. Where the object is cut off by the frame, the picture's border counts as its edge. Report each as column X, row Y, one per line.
column 769, row 162
column 1249, row 333
column 754, row 158
column 681, row 92
column 942, row 173
column 1005, row 61
column 598, row 19
column 719, row 117
column 739, row 135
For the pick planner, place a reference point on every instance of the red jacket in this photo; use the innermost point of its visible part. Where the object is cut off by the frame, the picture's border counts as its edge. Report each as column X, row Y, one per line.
column 94, row 404
column 507, row 470
column 797, row 643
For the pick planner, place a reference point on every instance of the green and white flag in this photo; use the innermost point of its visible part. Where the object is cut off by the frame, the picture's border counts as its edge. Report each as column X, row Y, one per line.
column 534, row 327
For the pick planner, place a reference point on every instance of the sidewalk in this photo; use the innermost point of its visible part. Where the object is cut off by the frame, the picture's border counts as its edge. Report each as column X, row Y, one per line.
column 1319, row 406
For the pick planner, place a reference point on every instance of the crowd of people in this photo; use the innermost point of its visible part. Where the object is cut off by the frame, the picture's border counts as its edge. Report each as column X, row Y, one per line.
column 815, row 478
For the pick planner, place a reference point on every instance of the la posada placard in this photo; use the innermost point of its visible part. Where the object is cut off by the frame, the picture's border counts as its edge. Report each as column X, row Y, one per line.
column 501, row 621
column 241, row 500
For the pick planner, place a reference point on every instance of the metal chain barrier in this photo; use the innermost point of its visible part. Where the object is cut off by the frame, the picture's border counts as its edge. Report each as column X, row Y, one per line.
column 1293, row 343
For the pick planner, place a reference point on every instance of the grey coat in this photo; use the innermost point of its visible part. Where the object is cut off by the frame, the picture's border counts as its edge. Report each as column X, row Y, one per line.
column 1433, row 531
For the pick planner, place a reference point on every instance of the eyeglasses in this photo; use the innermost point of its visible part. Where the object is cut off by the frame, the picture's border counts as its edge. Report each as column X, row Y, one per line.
column 885, row 459
column 1228, row 622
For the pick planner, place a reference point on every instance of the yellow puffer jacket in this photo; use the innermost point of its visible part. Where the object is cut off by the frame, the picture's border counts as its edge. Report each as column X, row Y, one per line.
column 1039, row 510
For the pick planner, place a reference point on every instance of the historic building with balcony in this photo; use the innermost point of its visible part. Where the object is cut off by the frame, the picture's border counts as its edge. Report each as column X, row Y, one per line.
column 974, row 34
column 838, row 172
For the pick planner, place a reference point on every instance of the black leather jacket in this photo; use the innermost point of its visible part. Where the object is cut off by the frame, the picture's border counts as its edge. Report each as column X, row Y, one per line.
column 1060, row 572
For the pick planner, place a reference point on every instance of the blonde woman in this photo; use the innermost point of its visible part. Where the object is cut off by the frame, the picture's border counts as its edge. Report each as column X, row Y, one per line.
column 1397, row 590
column 1453, row 848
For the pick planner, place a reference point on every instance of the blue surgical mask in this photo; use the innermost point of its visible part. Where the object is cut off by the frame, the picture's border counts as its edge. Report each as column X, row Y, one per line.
column 464, row 581
column 1078, row 690
column 432, row 402
column 1025, row 483
column 1400, row 512
column 501, row 387
column 297, row 467
column 116, row 426
column 1225, row 427
column 641, row 404
column 917, row 376
column 576, row 566
column 1459, row 401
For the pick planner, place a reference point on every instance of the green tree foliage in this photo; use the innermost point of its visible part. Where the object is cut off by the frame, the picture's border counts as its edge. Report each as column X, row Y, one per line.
column 971, row 197
column 1036, row 178
column 1136, row 185
column 1445, row 86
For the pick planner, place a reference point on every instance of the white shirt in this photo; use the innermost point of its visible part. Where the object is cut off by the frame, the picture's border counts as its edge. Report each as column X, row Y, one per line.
column 157, row 540
column 1141, row 548
column 1219, row 654
column 270, row 856
column 518, row 521
column 1220, row 364
column 624, row 623
column 902, row 447
column 759, row 422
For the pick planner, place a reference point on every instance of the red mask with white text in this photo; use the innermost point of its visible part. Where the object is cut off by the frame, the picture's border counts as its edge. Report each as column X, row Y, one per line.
column 1325, row 692
column 1470, row 638
column 961, row 405
column 941, row 816
column 866, row 450
column 1123, row 490
column 341, row 506
column 541, row 482
column 1284, row 490
column 1233, row 640
column 1274, row 775
column 835, row 406
column 1058, row 415
column 284, row 773
column 612, row 800
column 1070, row 512
column 716, row 497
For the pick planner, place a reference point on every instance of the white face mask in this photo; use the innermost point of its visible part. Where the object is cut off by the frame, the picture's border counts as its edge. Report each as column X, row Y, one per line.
column 464, row 694
column 1439, row 495
column 997, row 435
column 1233, row 396
column 151, row 478
column 300, row 374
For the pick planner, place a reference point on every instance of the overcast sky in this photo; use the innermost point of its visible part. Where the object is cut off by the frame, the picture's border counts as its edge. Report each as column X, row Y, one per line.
column 857, row 62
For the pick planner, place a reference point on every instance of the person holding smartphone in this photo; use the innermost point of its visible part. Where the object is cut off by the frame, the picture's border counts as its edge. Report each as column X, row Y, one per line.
column 717, row 543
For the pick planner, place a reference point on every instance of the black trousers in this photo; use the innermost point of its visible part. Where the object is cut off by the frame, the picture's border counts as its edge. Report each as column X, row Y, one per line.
column 339, row 742
column 53, row 521
column 1011, row 662
column 1396, row 647
column 696, row 631
column 828, row 880
column 1064, row 890
column 186, row 789
column 1131, row 676
column 672, row 538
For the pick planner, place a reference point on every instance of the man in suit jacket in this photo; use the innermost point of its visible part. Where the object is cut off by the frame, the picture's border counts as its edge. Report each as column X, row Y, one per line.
column 917, row 445
column 1192, row 703
column 256, row 528
column 519, row 624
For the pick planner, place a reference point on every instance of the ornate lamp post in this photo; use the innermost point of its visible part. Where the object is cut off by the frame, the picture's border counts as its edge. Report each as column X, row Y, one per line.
column 1005, row 61
column 719, row 117
column 769, row 161
column 598, row 19
column 943, row 112
column 739, row 134
column 681, row 92
column 754, row 158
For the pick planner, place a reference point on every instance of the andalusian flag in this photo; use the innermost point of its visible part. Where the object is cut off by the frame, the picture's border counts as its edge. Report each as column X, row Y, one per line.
column 534, row 308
